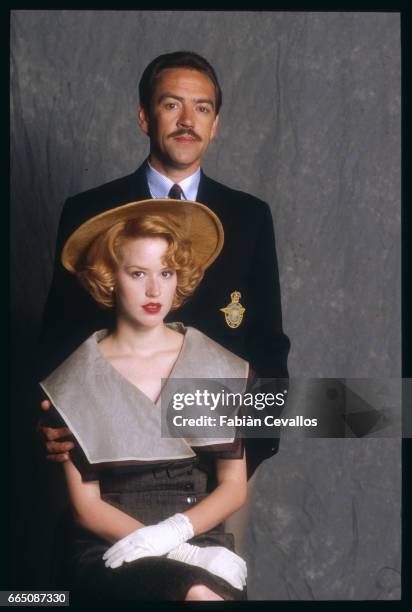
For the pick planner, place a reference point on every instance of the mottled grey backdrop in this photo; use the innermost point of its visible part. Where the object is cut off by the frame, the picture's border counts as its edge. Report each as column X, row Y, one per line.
column 311, row 124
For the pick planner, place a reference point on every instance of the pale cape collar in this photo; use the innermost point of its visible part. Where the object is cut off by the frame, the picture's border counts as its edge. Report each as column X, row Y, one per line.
column 113, row 420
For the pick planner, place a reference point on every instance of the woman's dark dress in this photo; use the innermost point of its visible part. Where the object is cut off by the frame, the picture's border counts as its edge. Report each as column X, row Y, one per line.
column 149, row 495
column 150, row 491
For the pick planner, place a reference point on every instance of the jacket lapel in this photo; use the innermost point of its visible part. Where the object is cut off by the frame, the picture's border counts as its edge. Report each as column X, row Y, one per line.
column 209, row 193
column 139, row 189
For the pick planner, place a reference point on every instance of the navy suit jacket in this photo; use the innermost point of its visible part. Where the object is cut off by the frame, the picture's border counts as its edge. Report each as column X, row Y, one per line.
column 247, row 264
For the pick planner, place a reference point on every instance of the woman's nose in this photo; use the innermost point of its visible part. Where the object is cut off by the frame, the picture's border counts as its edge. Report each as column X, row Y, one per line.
column 152, row 287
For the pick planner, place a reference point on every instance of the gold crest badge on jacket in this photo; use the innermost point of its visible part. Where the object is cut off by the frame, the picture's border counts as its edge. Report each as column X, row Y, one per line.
column 234, row 310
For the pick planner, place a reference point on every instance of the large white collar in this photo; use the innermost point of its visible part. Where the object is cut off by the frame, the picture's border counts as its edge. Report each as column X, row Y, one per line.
column 112, row 420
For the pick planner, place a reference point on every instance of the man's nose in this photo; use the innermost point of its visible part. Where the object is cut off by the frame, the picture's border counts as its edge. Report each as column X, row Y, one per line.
column 152, row 287
column 186, row 117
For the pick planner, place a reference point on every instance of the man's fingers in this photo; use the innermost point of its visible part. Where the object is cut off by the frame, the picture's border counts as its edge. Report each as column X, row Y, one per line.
column 54, row 433
column 45, row 405
column 60, row 458
column 58, row 447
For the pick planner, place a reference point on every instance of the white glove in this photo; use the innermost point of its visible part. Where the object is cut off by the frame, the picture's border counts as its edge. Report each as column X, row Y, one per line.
column 216, row 559
column 150, row 541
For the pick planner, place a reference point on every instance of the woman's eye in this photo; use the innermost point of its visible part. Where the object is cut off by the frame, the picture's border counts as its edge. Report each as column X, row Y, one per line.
column 137, row 274
column 167, row 273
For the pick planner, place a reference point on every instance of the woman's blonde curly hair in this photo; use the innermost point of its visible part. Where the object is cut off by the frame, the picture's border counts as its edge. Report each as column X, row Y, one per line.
column 96, row 270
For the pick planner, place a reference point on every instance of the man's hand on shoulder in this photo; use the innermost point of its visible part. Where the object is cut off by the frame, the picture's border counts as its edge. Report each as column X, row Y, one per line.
column 55, row 450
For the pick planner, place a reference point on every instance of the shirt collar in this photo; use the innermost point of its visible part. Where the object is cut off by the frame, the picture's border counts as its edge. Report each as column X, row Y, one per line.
column 159, row 184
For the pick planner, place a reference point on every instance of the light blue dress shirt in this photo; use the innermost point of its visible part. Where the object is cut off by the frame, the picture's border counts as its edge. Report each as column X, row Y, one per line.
column 159, row 184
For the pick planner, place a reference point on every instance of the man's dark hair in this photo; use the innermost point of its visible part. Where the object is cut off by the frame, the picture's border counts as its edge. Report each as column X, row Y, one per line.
column 178, row 59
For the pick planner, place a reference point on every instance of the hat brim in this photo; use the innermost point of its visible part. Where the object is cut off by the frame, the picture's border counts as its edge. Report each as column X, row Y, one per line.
column 199, row 224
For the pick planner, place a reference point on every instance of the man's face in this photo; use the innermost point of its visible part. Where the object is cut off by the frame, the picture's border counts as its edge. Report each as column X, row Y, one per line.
column 181, row 120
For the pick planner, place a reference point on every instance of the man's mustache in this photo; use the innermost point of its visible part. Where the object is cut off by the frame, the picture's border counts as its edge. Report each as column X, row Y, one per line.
column 185, row 132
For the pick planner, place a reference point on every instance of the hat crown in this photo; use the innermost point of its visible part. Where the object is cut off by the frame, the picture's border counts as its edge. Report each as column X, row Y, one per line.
column 198, row 223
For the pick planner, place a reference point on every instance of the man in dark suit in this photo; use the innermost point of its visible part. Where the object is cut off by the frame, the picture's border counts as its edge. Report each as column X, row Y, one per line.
column 238, row 302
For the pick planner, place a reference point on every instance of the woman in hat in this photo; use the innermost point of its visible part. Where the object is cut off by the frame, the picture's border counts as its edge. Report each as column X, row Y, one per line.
column 138, row 498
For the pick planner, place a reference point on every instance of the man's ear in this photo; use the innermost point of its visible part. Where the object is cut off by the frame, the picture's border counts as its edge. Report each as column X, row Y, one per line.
column 214, row 128
column 143, row 120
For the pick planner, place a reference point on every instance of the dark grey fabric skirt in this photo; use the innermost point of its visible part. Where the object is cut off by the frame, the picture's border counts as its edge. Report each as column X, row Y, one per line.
column 150, row 496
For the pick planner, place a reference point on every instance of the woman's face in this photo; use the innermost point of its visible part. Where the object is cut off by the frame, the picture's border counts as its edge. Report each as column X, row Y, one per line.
column 145, row 287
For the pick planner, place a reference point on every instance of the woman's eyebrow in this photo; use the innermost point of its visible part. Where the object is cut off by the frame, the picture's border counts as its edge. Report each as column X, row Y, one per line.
column 136, row 266
column 164, row 267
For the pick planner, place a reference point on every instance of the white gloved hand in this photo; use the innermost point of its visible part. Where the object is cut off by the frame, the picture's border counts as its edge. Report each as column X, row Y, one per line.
column 216, row 559
column 150, row 541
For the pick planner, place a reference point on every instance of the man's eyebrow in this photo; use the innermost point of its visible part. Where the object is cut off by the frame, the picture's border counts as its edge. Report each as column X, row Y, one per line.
column 205, row 101
column 196, row 100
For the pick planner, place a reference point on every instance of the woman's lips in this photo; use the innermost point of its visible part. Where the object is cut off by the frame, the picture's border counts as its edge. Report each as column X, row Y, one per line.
column 152, row 307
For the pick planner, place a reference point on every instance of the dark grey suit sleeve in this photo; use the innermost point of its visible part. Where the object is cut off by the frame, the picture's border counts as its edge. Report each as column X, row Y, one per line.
column 267, row 344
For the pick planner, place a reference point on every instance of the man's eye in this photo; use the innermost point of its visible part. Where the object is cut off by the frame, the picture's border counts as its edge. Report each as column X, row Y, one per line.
column 171, row 105
column 204, row 109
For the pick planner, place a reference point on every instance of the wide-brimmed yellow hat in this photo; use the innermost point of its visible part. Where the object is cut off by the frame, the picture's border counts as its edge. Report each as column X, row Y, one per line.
column 198, row 223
